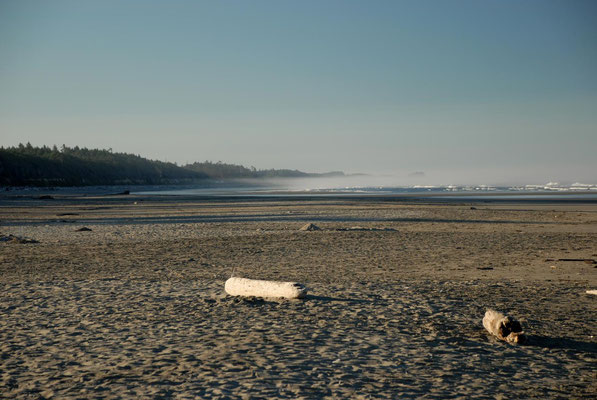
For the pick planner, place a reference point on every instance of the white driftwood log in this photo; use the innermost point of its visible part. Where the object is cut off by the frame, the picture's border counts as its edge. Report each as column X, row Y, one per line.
column 504, row 327
column 253, row 287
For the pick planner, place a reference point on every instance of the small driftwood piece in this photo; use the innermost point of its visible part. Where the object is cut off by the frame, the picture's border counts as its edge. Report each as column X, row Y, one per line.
column 585, row 260
column 504, row 327
column 258, row 288
column 360, row 228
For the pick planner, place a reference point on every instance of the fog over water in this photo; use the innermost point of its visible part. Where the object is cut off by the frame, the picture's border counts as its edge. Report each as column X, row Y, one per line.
column 421, row 180
column 367, row 185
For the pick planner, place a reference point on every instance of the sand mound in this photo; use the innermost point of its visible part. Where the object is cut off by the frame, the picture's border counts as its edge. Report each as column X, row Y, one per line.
column 310, row 227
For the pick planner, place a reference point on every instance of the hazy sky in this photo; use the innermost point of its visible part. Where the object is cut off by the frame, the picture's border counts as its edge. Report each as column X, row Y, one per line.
column 466, row 91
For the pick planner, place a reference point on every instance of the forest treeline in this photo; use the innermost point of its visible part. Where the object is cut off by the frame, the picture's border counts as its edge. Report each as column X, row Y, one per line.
column 27, row 165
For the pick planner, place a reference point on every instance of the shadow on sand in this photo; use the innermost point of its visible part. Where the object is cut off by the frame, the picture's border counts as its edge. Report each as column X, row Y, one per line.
column 259, row 301
column 327, row 299
column 561, row 343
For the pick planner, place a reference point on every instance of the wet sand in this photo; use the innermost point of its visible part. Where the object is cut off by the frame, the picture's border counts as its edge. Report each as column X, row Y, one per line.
column 135, row 308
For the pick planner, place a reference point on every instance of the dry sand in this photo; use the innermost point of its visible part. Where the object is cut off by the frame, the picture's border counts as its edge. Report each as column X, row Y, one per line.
column 135, row 308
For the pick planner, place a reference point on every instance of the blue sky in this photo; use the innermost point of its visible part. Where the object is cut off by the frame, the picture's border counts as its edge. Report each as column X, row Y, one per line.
column 466, row 91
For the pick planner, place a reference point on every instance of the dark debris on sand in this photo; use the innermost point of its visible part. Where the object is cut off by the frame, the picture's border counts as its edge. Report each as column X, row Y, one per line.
column 16, row 239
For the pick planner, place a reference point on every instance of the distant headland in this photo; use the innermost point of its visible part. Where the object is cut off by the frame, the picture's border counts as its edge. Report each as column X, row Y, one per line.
column 27, row 165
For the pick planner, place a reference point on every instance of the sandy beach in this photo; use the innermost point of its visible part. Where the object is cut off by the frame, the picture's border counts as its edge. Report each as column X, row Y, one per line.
column 135, row 306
